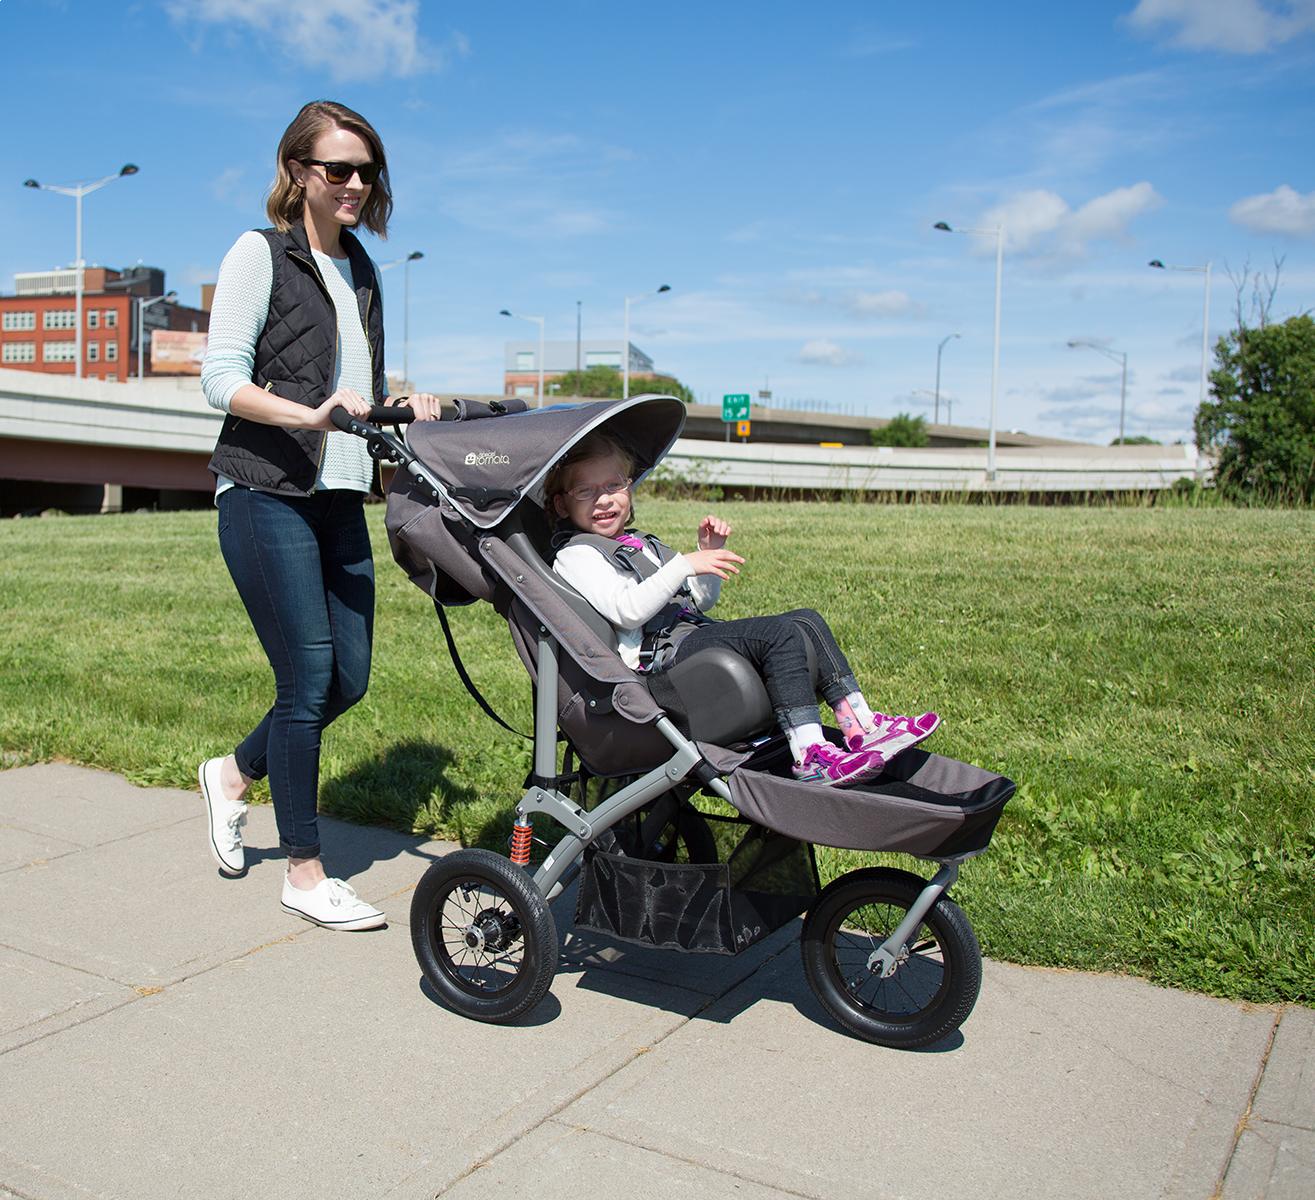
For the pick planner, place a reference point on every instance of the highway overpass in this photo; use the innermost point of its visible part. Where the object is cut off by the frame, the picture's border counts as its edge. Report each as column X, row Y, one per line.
column 89, row 445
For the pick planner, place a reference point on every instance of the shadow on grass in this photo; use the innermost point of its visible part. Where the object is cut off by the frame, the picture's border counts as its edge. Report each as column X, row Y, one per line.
column 406, row 787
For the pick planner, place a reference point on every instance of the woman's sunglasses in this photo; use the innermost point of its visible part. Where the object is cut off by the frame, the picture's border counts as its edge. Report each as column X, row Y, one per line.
column 341, row 172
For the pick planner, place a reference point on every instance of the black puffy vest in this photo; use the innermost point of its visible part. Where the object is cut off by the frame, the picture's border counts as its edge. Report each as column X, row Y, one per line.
column 295, row 359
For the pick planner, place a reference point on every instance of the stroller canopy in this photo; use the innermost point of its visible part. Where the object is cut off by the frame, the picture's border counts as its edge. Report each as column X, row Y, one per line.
column 488, row 467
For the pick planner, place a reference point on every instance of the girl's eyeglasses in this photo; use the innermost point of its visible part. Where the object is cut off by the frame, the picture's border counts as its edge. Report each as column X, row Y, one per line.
column 586, row 494
column 341, row 172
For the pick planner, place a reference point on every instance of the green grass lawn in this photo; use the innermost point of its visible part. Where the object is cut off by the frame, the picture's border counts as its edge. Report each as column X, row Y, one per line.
column 1144, row 674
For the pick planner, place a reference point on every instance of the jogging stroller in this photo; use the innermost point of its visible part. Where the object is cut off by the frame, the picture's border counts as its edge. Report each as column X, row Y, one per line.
column 888, row 954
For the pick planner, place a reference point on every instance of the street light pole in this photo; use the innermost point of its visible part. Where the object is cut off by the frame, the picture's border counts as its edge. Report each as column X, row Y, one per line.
column 625, row 344
column 936, row 410
column 1205, row 315
column 506, row 312
column 1119, row 356
column 998, row 233
column 405, row 264
column 77, row 191
column 142, row 305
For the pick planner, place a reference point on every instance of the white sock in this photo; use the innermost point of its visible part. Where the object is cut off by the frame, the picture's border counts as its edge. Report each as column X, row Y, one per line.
column 861, row 710
column 801, row 737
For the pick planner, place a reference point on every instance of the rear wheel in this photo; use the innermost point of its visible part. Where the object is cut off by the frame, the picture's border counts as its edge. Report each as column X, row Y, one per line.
column 939, row 972
column 483, row 935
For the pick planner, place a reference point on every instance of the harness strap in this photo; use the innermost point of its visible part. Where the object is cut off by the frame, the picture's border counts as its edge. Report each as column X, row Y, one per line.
column 466, row 679
column 666, row 629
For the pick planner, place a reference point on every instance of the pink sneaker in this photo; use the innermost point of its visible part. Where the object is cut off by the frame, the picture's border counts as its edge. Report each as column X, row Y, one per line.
column 829, row 765
column 894, row 734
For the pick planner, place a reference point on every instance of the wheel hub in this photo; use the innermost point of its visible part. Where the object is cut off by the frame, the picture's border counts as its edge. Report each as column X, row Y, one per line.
column 491, row 930
column 882, row 963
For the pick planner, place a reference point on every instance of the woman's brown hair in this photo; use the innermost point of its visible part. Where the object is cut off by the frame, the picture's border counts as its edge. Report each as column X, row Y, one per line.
column 286, row 198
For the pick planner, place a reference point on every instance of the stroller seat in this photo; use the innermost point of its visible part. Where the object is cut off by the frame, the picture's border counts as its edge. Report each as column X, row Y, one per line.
column 715, row 695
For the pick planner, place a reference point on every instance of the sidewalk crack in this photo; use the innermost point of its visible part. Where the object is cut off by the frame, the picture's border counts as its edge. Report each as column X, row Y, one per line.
column 639, row 1052
column 1244, row 1121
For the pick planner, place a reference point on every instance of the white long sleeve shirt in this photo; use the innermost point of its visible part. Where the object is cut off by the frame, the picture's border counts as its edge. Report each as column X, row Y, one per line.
column 623, row 599
column 237, row 316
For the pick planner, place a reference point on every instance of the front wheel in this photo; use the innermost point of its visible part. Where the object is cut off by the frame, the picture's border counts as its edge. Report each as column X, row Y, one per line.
column 483, row 935
column 936, row 982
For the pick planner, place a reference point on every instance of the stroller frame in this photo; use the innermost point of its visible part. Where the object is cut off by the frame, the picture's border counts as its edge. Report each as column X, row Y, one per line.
column 933, row 808
column 562, row 863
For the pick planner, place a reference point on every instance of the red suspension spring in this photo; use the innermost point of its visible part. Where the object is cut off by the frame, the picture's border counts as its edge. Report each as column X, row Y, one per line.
column 522, row 835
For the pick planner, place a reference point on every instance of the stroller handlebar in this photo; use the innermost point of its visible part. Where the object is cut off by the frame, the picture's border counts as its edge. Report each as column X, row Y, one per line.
column 402, row 414
column 380, row 414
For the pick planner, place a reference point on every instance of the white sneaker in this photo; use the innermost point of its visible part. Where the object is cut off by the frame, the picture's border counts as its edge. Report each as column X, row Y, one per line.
column 330, row 903
column 226, row 820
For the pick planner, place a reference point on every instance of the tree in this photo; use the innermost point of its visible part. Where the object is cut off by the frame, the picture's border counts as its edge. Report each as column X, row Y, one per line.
column 607, row 383
column 902, row 430
column 1260, row 418
column 1138, row 439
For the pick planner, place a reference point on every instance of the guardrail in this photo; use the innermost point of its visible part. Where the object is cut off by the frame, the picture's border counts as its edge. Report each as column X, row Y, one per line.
column 890, row 469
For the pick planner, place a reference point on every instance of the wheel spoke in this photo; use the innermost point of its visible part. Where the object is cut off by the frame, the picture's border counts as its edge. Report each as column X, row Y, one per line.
column 916, row 981
column 487, row 969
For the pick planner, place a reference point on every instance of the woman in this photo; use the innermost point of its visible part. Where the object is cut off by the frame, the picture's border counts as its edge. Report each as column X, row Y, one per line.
column 296, row 330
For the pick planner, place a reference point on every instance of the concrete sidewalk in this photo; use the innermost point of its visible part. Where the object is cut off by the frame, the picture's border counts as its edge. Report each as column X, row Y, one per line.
column 167, row 1032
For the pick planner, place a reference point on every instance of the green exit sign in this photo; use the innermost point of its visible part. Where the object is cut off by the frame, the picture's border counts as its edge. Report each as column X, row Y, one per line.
column 736, row 407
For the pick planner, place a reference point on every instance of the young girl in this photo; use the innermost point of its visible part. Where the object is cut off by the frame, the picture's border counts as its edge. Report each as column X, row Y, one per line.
column 656, row 606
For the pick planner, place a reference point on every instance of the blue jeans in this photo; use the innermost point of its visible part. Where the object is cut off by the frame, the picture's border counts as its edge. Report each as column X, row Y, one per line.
column 302, row 566
column 775, row 646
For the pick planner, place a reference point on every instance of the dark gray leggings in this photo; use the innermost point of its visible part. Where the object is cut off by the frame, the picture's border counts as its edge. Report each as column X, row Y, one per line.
column 775, row 646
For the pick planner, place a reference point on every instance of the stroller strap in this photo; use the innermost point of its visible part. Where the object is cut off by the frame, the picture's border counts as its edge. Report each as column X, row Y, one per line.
column 465, row 677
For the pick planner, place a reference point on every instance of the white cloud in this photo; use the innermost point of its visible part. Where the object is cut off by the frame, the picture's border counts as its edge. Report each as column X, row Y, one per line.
column 1026, row 218
column 525, row 215
column 526, row 183
column 873, row 44
column 822, row 352
column 1237, row 26
column 1109, row 216
column 1041, row 222
column 879, row 304
column 1284, row 210
column 229, row 187
column 855, row 290
column 351, row 39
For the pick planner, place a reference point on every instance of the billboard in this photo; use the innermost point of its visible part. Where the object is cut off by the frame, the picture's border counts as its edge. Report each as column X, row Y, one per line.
column 176, row 352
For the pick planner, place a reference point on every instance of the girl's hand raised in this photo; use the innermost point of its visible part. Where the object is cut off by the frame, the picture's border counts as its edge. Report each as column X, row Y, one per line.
column 714, row 561
column 713, row 532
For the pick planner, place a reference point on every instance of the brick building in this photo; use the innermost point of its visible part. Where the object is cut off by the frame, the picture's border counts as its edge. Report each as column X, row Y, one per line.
column 38, row 322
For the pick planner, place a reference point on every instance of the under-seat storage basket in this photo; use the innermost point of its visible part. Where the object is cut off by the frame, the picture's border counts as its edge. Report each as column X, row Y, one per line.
column 764, row 880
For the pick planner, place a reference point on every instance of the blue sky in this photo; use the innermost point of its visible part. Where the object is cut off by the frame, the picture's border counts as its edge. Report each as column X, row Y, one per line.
column 780, row 165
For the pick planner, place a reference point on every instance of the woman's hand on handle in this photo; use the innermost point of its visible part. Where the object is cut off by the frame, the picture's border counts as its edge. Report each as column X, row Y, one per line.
column 423, row 404
column 713, row 532
column 714, row 561
column 346, row 398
